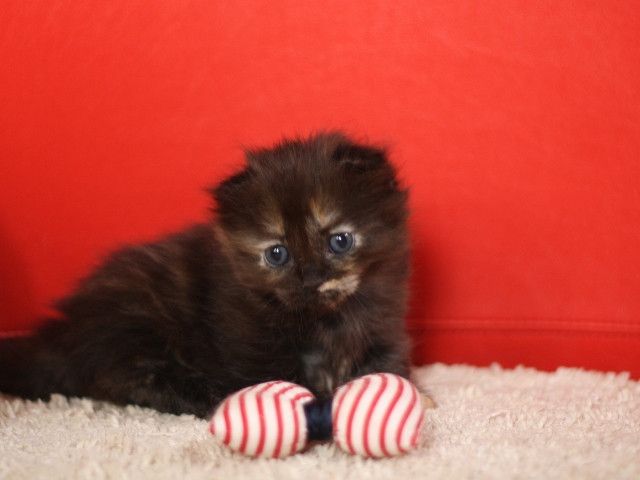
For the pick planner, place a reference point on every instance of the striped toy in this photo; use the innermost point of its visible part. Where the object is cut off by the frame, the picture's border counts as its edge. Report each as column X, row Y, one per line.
column 378, row 415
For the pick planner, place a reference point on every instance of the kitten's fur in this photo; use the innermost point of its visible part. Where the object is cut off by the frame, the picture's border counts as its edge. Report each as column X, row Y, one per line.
column 179, row 324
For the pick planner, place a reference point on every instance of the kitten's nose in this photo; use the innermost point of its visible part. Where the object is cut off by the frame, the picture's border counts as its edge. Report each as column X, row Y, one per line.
column 311, row 279
column 312, row 282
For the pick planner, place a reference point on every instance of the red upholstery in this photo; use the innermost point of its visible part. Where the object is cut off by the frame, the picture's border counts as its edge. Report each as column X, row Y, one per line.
column 516, row 123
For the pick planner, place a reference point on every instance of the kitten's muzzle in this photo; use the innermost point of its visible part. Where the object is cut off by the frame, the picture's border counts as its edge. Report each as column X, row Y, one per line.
column 317, row 287
column 311, row 277
column 313, row 291
column 312, row 285
column 331, row 292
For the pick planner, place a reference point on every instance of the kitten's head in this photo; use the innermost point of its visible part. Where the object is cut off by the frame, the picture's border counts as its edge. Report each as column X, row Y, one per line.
column 312, row 222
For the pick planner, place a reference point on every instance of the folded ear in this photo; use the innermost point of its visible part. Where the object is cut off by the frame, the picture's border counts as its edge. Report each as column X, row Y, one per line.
column 231, row 187
column 359, row 157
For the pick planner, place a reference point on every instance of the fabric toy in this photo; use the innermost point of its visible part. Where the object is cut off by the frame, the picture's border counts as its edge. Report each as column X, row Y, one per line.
column 378, row 415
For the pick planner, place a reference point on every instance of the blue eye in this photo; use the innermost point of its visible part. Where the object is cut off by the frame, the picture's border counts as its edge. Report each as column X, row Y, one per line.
column 276, row 256
column 341, row 242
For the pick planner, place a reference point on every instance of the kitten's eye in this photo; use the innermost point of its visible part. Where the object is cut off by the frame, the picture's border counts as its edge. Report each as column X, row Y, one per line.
column 276, row 256
column 341, row 242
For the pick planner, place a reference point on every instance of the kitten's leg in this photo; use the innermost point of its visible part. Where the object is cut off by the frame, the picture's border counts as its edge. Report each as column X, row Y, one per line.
column 27, row 370
column 122, row 361
column 167, row 387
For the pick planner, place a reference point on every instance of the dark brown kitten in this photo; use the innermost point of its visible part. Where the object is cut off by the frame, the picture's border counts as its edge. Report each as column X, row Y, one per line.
column 301, row 276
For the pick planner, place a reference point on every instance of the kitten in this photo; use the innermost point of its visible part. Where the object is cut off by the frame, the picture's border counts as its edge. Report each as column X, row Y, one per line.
column 300, row 276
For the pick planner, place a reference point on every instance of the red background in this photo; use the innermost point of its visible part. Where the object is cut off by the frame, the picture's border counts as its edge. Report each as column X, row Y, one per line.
column 516, row 124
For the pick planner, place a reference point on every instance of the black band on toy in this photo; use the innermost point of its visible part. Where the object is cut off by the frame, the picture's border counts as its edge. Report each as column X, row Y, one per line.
column 318, row 413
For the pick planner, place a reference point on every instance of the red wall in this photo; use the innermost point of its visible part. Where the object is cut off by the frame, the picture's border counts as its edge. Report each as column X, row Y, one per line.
column 516, row 123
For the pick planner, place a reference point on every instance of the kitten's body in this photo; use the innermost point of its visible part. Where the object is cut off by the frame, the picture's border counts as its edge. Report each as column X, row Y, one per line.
column 179, row 324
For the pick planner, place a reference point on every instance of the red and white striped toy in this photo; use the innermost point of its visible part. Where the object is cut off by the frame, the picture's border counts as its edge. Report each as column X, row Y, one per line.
column 378, row 415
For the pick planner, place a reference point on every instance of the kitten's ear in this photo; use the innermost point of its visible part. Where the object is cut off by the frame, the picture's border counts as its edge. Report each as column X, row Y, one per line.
column 231, row 185
column 360, row 157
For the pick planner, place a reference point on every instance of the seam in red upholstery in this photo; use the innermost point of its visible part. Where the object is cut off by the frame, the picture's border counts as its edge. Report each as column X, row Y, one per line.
column 569, row 326
column 15, row 333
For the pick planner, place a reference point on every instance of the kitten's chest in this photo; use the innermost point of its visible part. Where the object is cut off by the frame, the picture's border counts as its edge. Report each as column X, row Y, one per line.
column 324, row 372
column 325, row 359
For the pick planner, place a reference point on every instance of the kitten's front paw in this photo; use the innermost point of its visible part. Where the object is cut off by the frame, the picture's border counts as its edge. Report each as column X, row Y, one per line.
column 427, row 402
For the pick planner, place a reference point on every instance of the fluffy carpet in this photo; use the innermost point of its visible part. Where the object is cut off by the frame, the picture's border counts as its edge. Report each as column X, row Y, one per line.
column 489, row 423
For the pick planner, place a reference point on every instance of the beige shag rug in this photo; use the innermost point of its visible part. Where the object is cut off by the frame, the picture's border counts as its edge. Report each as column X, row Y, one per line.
column 489, row 423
